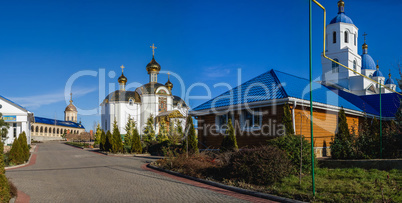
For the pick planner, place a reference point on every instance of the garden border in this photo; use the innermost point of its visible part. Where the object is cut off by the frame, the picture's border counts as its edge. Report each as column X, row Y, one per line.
column 227, row 187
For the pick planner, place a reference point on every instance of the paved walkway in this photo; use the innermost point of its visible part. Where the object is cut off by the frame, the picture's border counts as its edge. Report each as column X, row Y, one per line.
column 66, row 174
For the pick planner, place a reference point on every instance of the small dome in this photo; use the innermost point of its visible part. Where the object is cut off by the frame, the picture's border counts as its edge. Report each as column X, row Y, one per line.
column 169, row 85
column 341, row 18
column 367, row 62
column 153, row 66
column 122, row 79
column 378, row 73
column 71, row 107
column 389, row 81
column 365, row 46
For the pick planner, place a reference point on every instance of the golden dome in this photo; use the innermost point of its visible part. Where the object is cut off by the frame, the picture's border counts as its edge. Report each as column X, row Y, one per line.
column 169, row 85
column 365, row 46
column 122, row 79
column 71, row 107
column 153, row 66
column 341, row 3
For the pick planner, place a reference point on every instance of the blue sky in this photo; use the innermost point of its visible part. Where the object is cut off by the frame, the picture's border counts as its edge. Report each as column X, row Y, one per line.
column 44, row 43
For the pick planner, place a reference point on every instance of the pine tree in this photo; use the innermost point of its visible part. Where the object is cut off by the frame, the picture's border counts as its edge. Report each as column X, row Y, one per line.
column 22, row 139
column 229, row 142
column 98, row 134
column 129, row 132
column 102, row 141
column 136, row 146
column 163, row 134
column 3, row 128
column 149, row 132
column 342, row 144
column 117, row 144
column 191, row 137
column 16, row 153
column 108, row 142
column 287, row 120
column 4, row 187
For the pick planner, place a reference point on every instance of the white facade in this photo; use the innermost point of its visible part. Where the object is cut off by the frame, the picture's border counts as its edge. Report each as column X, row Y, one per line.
column 341, row 43
column 150, row 99
column 18, row 118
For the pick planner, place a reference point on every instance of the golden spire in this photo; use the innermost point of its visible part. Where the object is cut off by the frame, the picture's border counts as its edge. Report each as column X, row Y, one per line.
column 364, row 46
column 71, row 97
column 389, row 75
column 341, row 6
column 153, row 47
column 378, row 67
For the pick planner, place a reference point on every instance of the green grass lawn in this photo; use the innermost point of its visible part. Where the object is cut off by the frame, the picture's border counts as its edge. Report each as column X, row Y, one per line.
column 343, row 185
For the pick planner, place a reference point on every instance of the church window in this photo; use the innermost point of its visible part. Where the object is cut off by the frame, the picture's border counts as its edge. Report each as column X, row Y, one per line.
column 335, row 66
column 68, row 118
column 334, row 37
column 45, row 129
column 346, row 37
column 355, row 39
column 37, row 129
column 354, row 65
column 15, row 129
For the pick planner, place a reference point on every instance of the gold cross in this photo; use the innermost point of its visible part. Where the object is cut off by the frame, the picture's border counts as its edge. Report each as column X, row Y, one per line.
column 168, row 75
column 153, row 50
column 364, row 35
column 122, row 67
column 71, row 96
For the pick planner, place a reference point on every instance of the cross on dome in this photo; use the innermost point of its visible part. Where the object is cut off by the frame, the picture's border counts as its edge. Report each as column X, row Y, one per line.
column 364, row 35
column 122, row 67
column 153, row 47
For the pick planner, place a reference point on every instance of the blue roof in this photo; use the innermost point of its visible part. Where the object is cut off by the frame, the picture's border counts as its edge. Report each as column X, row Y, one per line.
column 276, row 85
column 341, row 17
column 377, row 73
column 367, row 62
column 389, row 81
column 390, row 103
column 58, row 122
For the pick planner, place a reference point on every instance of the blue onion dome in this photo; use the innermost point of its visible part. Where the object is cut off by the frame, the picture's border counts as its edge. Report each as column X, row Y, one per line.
column 367, row 62
column 389, row 81
column 341, row 17
column 378, row 73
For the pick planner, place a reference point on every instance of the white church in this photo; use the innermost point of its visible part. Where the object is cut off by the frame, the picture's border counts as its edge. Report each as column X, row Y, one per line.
column 341, row 43
column 152, row 99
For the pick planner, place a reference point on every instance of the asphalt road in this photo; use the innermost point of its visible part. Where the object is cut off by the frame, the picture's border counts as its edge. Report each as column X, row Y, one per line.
column 66, row 174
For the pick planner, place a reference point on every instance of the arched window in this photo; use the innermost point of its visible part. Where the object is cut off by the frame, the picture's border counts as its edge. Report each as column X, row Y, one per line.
column 346, row 37
column 45, row 129
column 41, row 129
column 37, row 129
column 67, row 118
column 335, row 66
column 32, row 129
column 354, row 65
column 58, row 130
column 355, row 39
column 54, row 130
column 334, row 37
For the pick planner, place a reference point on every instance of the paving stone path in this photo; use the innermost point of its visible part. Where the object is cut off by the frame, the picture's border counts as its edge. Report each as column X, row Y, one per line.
column 66, row 174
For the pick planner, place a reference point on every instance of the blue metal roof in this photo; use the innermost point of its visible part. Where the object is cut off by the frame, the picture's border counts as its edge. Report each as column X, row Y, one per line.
column 377, row 73
column 261, row 88
column 389, row 81
column 276, row 85
column 341, row 17
column 367, row 62
column 58, row 122
column 390, row 103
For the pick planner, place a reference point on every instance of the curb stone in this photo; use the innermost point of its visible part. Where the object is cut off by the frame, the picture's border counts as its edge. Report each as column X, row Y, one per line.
column 227, row 187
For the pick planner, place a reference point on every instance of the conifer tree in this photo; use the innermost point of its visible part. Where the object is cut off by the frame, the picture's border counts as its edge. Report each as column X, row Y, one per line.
column 22, row 139
column 117, row 144
column 3, row 128
column 136, row 146
column 191, row 137
column 98, row 134
column 129, row 132
column 229, row 142
column 342, row 144
column 287, row 120
column 102, row 141
column 149, row 132
column 108, row 142
column 4, row 187
column 163, row 134
column 16, row 153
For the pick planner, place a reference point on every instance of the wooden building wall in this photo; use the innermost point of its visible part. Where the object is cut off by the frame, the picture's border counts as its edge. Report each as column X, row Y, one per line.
column 324, row 124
